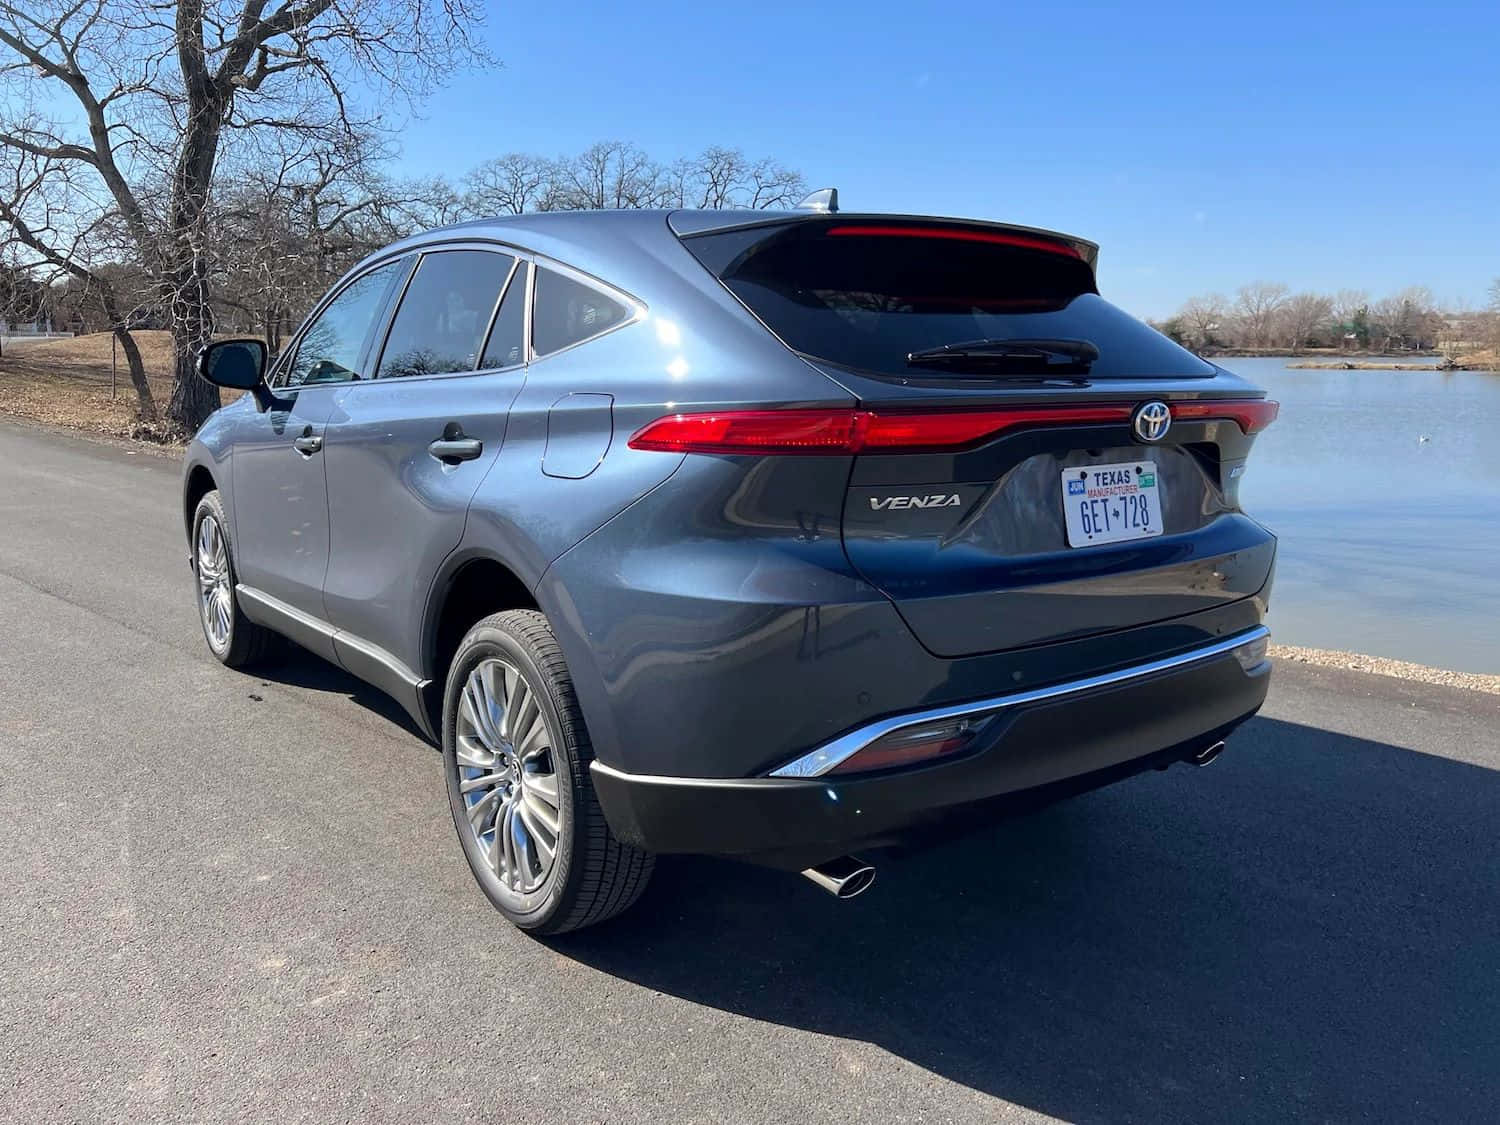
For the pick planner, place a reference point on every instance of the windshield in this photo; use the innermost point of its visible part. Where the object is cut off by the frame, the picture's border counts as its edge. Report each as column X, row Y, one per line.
column 868, row 296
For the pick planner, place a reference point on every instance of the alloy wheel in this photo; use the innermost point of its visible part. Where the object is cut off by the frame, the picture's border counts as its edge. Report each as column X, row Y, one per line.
column 214, row 595
column 507, row 774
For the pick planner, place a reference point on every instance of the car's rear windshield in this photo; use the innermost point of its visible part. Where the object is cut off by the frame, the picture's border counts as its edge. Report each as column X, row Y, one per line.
column 866, row 295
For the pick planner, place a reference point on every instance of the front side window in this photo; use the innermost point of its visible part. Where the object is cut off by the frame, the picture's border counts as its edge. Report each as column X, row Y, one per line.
column 444, row 314
column 566, row 312
column 328, row 351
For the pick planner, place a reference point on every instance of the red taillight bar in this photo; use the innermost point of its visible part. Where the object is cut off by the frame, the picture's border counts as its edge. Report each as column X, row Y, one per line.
column 1252, row 414
column 845, row 431
column 955, row 234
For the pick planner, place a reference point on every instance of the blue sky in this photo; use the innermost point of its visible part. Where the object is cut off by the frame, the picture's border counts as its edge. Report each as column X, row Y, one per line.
column 1325, row 145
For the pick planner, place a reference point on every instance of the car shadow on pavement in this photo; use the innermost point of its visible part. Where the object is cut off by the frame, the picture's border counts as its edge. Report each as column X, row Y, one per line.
column 1310, row 929
column 297, row 667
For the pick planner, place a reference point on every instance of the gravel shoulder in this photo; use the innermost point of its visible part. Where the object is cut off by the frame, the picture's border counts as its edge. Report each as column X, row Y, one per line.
column 1383, row 666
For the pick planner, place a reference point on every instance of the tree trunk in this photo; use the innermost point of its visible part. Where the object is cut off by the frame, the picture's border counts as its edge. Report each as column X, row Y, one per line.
column 145, row 403
column 193, row 398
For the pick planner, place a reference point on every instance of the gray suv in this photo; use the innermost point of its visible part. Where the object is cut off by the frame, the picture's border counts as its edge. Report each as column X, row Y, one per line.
column 778, row 536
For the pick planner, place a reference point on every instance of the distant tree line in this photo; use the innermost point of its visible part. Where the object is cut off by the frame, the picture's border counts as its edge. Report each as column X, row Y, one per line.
column 1269, row 316
column 285, row 232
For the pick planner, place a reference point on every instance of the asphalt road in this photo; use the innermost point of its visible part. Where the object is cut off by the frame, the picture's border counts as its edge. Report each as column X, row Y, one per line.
column 231, row 897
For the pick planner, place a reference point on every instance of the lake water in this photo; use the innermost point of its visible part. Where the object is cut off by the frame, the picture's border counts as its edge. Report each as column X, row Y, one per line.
column 1389, row 544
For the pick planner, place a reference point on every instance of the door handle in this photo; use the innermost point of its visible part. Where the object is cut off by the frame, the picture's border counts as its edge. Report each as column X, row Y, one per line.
column 309, row 443
column 453, row 450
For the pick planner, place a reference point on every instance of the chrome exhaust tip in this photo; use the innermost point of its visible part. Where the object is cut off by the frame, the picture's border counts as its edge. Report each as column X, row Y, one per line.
column 844, row 877
column 1206, row 756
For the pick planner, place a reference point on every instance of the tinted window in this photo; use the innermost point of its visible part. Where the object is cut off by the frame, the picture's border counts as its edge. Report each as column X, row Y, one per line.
column 328, row 351
column 444, row 313
column 865, row 295
column 567, row 311
column 507, row 343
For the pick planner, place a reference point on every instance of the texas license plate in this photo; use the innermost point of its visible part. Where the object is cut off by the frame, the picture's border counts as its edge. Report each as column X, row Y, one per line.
column 1110, row 503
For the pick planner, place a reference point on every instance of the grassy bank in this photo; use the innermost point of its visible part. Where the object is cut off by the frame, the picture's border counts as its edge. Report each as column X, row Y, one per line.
column 1350, row 365
column 1475, row 361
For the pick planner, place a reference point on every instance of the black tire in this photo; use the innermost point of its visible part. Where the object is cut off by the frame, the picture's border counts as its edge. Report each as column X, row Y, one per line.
column 592, row 875
column 245, row 642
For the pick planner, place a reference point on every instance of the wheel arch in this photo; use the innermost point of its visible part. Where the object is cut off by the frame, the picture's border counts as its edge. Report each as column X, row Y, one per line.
column 471, row 585
column 198, row 483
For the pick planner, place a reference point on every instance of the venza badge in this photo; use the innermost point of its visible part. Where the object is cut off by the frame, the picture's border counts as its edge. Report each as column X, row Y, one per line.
column 941, row 500
column 1151, row 421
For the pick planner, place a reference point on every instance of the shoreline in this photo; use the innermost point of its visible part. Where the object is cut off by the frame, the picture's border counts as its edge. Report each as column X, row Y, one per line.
column 1353, row 365
column 1487, row 683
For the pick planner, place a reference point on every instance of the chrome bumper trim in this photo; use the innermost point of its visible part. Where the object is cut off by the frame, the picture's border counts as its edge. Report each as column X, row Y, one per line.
column 831, row 754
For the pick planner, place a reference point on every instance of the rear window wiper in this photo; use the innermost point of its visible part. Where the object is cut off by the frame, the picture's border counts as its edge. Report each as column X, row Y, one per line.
column 1022, row 356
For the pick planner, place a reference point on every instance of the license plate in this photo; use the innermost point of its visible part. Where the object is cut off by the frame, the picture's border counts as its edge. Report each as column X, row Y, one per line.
column 1110, row 503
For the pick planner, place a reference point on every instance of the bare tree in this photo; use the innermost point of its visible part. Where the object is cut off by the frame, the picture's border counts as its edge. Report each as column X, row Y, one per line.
column 614, row 174
column 161, row 91
column 38, row 203
column 510, row 185
column 1301, row 316
column 610, row 174
column 1255, row 308
column 1407, row 319
column 1491, row 323
column 1201, row 318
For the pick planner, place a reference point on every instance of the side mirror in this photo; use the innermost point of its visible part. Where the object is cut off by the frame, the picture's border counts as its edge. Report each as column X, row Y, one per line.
column 239, row 365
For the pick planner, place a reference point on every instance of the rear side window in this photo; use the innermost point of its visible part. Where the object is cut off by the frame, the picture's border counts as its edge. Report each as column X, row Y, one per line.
column 328, row 351
column 445, row 313
column 506, row 346
column 866, row 294
column 566, row 312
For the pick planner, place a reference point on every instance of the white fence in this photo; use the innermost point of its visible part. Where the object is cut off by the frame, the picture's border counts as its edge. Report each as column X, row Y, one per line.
column 37, row 328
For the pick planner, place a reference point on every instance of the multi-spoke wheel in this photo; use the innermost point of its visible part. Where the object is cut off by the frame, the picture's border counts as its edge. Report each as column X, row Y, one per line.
column 214, row 591
column 231, row 637
column 517, row 754
column 507, row 776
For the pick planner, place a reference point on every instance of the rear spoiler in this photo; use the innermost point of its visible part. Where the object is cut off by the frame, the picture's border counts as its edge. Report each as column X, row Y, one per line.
column 684, row 224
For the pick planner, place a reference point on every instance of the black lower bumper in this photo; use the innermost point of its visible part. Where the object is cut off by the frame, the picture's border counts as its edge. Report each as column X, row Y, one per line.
column 1062, row 741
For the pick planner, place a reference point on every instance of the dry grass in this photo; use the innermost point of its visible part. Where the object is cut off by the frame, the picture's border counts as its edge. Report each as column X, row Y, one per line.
column 67, row 383
column 1481, row 360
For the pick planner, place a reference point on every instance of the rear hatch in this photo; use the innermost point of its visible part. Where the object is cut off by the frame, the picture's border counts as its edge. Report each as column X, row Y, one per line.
column 1008, row 496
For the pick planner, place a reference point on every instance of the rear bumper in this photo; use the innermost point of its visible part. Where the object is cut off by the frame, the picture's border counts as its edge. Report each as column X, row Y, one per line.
column 1067, row 733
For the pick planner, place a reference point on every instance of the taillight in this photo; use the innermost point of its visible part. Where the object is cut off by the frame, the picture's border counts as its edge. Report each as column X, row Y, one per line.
column 845, row 431
column 1252, row 414
column 754, row 431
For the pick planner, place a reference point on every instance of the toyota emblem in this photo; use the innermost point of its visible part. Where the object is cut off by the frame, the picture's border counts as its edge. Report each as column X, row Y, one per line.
column 1151, row 421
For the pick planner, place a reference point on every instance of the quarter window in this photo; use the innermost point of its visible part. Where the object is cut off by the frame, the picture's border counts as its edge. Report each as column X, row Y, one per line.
column 507, row 343
column 444, row 313
column 328, row 351
column 567, row 312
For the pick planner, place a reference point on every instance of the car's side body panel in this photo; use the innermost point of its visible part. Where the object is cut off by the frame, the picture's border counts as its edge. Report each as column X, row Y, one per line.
column 397, row 510
column 280, row 500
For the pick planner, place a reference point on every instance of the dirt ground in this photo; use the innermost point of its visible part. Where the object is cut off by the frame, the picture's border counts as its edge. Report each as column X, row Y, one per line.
column 66, row 382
